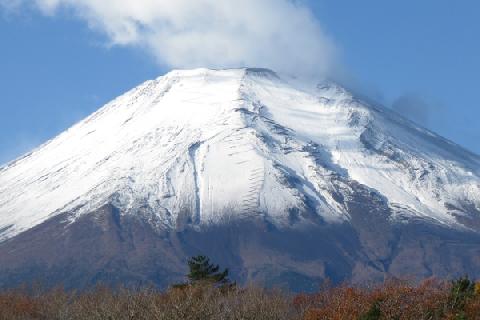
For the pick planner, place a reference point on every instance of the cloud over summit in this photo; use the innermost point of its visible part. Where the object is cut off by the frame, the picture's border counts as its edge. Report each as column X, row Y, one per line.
column 279, row 34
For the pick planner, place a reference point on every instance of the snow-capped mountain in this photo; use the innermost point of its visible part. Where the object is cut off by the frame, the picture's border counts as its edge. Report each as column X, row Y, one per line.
column 195, row 149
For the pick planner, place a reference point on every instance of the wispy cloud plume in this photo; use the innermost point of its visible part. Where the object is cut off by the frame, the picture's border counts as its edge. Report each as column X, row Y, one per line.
column 279, row 34
column 413, row 107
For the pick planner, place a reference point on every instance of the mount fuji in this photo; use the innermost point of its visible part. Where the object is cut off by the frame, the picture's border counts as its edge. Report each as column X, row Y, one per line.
column 284, row 182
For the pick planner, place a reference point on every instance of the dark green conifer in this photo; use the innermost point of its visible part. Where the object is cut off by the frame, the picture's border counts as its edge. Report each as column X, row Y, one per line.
column 201, row 270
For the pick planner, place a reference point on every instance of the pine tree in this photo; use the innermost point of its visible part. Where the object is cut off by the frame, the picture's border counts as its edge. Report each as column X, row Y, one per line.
column 201, row 270
column 204, row 272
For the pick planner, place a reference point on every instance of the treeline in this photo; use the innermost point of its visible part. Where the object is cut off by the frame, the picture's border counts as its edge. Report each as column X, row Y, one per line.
column 209, row 294
column 393, row 300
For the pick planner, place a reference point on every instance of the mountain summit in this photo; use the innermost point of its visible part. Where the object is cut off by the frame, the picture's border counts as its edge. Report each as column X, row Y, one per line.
column 197, row 152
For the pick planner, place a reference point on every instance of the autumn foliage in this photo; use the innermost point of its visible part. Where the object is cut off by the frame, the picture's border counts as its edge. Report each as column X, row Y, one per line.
column 431, row 299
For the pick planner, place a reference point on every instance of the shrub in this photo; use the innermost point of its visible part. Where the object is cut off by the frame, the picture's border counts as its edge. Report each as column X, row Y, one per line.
column 373, row 314
column 461, row 293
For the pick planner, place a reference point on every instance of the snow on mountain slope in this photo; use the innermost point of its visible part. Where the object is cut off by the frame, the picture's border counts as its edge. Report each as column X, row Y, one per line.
column 206, row 146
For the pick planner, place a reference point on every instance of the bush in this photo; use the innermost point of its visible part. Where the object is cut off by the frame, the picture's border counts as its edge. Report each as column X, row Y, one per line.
column 189, row 303
column 373, row 314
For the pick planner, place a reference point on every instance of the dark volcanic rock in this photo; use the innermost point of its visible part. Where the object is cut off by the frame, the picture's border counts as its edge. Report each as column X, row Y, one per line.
column 108, row 247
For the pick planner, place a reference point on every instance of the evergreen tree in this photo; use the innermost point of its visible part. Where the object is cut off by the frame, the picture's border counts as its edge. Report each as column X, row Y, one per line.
column 201, row 270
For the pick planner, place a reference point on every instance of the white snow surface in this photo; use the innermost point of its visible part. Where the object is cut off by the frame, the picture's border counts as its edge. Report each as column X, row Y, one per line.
column 214, row 145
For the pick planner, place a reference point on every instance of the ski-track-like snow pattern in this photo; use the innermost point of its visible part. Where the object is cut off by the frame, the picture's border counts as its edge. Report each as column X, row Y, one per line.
column 204, row 146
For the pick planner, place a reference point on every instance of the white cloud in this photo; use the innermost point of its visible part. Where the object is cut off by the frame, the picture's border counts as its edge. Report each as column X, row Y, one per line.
column 279, row 34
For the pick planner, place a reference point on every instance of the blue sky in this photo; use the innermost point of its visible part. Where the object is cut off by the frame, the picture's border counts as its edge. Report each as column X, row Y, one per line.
column 422, row 57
